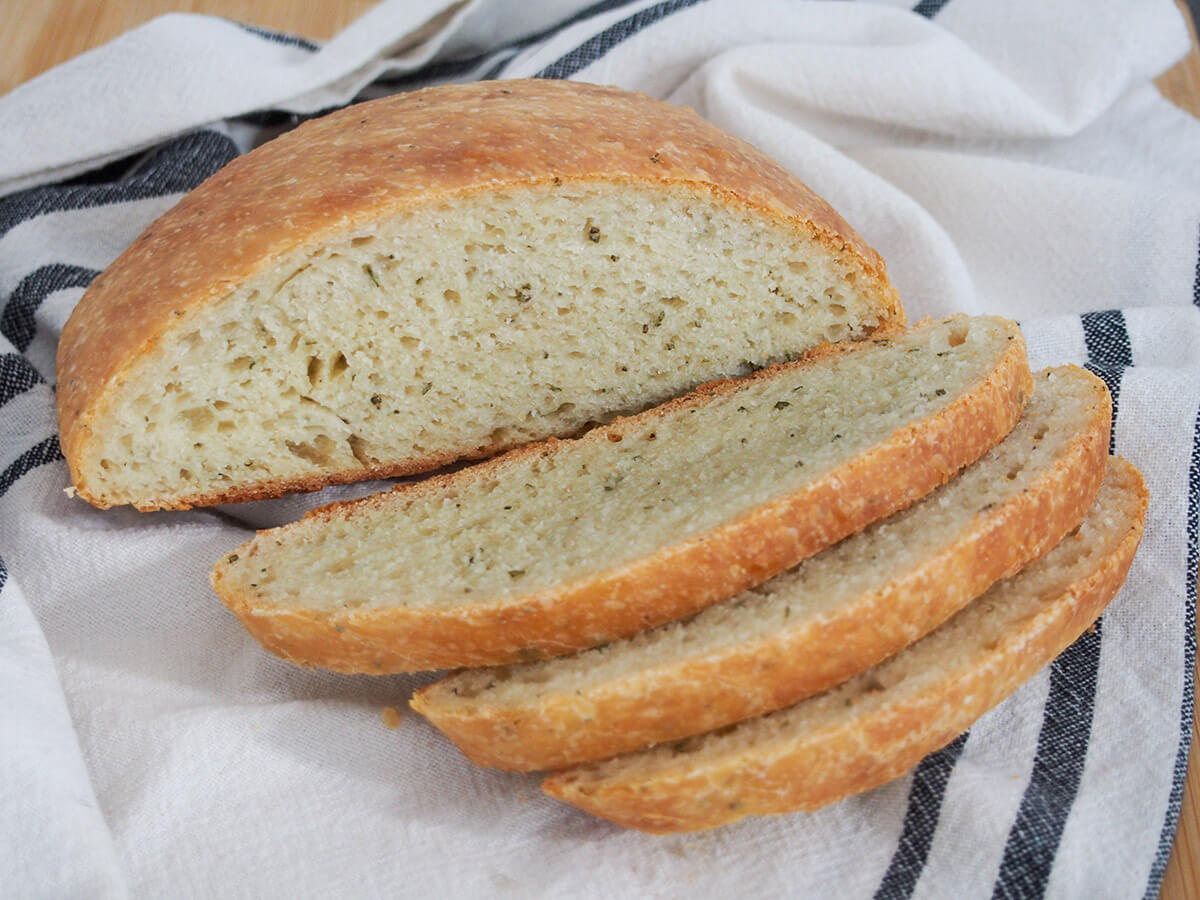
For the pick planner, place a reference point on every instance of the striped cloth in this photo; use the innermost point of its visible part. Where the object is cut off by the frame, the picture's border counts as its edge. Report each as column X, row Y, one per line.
column 1010, row 158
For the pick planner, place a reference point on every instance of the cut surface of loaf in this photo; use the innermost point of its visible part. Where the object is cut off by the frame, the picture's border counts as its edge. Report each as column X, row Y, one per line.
column 570, row 544
column 810, row 628
column 444, row 274
column 881, row 723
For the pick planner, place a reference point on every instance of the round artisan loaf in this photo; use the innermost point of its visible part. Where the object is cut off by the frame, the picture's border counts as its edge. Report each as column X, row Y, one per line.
column 439, row 275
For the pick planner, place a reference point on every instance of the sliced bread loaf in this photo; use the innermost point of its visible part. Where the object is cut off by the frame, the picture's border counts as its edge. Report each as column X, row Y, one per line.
column 570, row 544
column 443, row 274
column 808, row 629
column 882, row 722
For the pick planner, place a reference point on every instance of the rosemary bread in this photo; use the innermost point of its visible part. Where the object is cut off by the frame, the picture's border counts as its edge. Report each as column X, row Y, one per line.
column 812, row 627
column 444, row 274
column 881, row 723
column 569, row 544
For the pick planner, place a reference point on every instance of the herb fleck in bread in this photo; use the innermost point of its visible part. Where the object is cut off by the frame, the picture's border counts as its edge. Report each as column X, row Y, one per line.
column 810, row 628
column 444, row 274
column 570, row 544
column 881, row 723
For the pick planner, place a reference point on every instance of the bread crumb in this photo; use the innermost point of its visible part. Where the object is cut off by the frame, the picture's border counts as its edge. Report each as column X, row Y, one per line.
column 390, row 716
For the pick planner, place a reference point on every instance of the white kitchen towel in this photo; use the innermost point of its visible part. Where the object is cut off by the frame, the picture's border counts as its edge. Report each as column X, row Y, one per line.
column 1011, row 158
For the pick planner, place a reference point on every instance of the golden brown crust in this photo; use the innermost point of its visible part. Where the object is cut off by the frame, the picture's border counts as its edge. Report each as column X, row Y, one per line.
column 341, row 172
column 808, row 771
column 691, row 697
column 667, row 585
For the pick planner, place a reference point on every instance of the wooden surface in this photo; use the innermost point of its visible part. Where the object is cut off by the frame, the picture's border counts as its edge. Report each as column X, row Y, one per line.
column 42, row 33
column 39, row 34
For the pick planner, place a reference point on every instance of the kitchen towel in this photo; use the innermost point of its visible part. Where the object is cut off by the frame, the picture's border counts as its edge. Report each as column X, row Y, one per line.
column 1010, row 158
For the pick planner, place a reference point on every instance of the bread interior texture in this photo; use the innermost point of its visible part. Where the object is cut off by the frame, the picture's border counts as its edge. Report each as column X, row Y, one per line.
column 534, row 520
column 1062, row 406
column 466, row 327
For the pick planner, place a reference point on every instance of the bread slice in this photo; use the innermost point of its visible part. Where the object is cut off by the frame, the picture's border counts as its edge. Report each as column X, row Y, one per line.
column 570, row 544
column 808, row 629
column 882, row 722
column 444, row 274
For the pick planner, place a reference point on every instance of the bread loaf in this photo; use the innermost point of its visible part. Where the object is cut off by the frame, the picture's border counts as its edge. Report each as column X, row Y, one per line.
column 569, row 544
column 881, row 723
column 439, row 275
column 808, row 629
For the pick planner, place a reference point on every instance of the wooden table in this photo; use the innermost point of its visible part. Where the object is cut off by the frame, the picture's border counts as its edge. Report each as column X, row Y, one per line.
column 42, row 33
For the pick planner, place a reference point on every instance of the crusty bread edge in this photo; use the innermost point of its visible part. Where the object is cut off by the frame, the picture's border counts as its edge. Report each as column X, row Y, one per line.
column 667, row 703
column 93, row 360
column 666, row 585
column 828, row 766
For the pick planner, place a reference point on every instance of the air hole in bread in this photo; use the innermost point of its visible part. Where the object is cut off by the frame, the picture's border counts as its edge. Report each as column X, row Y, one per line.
column 199, row 417
column 358, row 449
column 319, row 450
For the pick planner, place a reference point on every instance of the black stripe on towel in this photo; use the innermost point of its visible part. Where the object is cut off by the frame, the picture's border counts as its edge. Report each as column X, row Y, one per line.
column 16, row 376
column 1196, row 282
column 171, row 168
column 443, row 70
column 279, row 37
column 929, row 8
column 1066, row 730
column 598, row 45
column 920, row 821
column 17, row 322
column 498, row 68
column 517, row 46
column 447, row 69
column 1057, row 769
column 1109, row 353
column 40, row 454
column 1166, row 837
